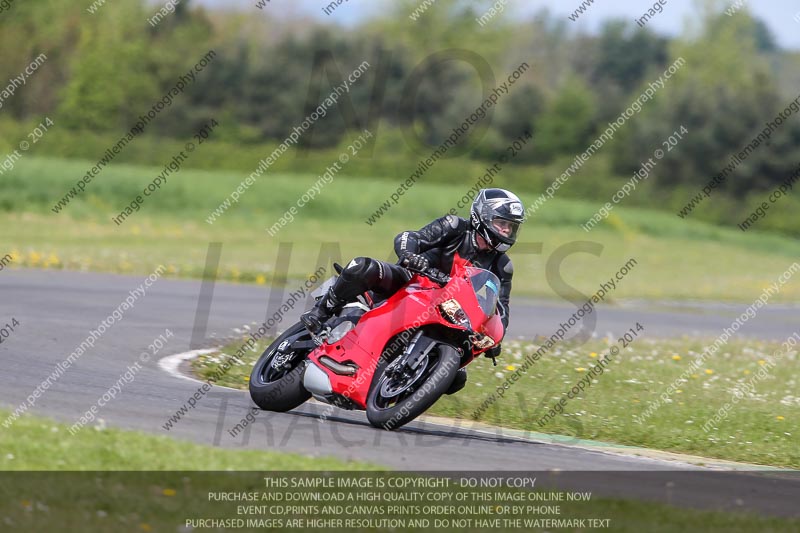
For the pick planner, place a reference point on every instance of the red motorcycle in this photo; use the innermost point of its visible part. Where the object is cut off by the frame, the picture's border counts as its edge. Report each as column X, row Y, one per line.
column 393, row 358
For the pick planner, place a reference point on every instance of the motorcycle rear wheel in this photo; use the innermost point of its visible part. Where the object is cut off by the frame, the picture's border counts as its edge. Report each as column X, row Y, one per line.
column 391, row 413
column 279, row 390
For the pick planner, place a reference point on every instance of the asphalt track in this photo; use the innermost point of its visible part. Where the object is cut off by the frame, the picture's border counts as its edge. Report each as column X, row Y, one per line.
column 56, row 310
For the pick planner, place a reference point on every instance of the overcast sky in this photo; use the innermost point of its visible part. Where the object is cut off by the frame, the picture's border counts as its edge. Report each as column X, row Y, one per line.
column 778, row 14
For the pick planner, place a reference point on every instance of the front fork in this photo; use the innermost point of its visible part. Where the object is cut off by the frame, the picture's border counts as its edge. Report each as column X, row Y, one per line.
column 407, row 361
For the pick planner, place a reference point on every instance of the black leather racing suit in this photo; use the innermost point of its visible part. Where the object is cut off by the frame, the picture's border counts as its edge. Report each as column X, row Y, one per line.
column 438, row 242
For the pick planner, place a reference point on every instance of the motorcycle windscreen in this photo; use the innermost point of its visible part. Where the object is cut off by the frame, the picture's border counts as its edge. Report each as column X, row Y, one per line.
column 487, row 288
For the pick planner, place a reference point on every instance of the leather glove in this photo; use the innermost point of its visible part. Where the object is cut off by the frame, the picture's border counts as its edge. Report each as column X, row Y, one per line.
column 416, row 262
column 492, row 352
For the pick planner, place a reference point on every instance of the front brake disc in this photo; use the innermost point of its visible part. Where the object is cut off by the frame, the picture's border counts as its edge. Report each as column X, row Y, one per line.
column 391, row 389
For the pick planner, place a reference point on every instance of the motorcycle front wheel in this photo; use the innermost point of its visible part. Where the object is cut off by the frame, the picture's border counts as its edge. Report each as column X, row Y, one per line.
column 397, row 400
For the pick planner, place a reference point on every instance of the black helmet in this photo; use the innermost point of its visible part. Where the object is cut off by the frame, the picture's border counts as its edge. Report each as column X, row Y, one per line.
column 493, row 210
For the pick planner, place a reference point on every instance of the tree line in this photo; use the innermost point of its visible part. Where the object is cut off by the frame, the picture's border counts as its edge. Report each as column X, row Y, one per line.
column 425, row 77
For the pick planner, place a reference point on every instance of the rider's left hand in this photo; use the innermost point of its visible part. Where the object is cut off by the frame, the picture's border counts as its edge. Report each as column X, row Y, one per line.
column 416, row 262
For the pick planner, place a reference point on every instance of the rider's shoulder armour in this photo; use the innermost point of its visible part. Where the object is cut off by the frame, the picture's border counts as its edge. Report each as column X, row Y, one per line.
column 453, row 222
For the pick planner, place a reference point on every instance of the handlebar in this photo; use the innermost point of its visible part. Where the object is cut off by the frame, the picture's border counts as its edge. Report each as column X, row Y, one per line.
column 433, row 274
column 436, row 276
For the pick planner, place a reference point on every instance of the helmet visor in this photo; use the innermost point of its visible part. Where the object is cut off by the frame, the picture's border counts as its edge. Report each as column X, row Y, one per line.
column 507, row 229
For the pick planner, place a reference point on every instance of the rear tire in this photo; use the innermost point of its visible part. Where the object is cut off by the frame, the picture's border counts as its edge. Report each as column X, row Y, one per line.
column 279, row 391
column 440, row 375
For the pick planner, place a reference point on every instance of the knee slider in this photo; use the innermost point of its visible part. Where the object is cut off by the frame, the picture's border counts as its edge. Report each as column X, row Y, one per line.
column 459, row 382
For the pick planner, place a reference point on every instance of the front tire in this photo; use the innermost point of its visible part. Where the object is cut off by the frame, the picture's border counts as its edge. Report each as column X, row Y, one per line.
column 392, row 412
column 279, row 390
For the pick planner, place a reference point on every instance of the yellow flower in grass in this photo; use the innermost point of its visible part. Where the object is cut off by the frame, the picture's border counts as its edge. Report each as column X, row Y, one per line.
column 510, row 368
column 15, row 255
column 261, row 279
column 709, row 371
column 52, row 260
column 695, row 376
column 169, row 492
column 676, row 357
column 779, row 417
column 593, row 354
column 746, row 372
column 34, row 258
column 762, row 362
column 580, row 369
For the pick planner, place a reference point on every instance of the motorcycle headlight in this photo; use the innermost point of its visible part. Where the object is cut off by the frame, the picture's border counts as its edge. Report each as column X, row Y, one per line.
column 339, row 332
column 453, row 312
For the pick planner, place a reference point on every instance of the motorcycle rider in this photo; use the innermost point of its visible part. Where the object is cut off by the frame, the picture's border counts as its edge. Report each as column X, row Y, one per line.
column 495, row 217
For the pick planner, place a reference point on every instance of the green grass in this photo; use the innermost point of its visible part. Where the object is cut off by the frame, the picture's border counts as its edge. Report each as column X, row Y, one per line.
column 391, row 162
column 761, row 428
column 34, row 443
column 678, row 259
column 135, row 482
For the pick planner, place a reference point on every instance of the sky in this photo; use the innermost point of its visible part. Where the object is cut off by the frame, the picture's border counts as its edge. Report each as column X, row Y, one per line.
column 777, row 14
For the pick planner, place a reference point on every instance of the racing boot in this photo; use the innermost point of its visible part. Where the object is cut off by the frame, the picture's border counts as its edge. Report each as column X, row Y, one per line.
column 325, row 307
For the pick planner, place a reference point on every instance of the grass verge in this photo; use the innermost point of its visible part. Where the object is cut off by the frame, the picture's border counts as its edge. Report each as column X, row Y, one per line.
column 136, row 482
column 170, row 229
column 34, row 443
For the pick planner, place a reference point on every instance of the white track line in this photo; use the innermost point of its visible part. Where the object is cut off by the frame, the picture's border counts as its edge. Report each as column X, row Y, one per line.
column 171, row 363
